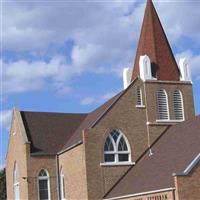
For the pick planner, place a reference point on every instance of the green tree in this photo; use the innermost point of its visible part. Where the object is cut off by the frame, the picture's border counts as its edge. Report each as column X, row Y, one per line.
column 3, row 184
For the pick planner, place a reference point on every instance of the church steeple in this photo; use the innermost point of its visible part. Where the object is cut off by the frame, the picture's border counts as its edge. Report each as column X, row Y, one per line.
column 153, row 43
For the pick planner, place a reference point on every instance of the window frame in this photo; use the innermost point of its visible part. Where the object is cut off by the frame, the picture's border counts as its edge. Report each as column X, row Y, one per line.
column 48, row 183
column 116, row 152
column 141, row 105
column 182, row 105
column 16, row 181
column 62, row 185
column 167, row 106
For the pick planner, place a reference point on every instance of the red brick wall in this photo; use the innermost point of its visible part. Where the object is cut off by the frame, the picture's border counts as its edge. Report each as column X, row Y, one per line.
column 188, row 187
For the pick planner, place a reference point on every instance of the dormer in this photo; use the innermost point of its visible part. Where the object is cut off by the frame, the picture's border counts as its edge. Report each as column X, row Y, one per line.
column 185, row 70
column 145, row 68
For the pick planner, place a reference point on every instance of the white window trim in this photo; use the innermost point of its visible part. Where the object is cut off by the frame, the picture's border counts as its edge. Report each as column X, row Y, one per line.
column 16, row 182
column 117, row 164
column 169, row 121
column 116, row 152
column 167, row 102
column 141, row 96
column 140, row 106
column 48, row 183
column 182, row 104
column 62, row 193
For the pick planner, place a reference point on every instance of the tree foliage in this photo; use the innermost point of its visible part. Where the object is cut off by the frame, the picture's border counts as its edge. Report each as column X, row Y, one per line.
column 3, row 184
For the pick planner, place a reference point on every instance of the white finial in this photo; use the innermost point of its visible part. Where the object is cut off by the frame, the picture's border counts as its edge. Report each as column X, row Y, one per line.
column 127, row 72
column 145, row 68
column 185, row 70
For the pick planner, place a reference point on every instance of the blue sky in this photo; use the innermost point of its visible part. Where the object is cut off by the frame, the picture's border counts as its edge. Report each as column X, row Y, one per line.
column 68, row 56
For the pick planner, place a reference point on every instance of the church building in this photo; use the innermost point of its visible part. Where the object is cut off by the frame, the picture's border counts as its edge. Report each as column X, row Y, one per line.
column 142, row 144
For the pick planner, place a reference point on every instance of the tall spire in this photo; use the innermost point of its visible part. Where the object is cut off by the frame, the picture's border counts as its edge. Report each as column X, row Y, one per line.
column 153, row 43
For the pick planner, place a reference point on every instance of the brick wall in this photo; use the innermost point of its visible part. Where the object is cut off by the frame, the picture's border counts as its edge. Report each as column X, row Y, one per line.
column 17, row 152
column 188, row 187
column 35, row 164
column 28, row 166
column 132, row 122
column 73, row 166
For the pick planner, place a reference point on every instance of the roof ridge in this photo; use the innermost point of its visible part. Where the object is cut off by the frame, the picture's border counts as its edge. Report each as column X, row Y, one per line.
column 46, row 112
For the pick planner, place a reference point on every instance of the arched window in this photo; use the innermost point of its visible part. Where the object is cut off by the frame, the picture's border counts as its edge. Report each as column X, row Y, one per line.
column 139, row 97
column 44, row 185
column 178, row 105
column 16, row 182
column 162, row 103
column 116, row 148
column 62, row 184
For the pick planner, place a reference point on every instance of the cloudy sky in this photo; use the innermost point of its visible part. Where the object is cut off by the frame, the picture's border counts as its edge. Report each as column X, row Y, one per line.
column 68, row 56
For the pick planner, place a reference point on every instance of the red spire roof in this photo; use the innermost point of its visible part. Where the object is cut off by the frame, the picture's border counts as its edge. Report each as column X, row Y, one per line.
column 153, row 42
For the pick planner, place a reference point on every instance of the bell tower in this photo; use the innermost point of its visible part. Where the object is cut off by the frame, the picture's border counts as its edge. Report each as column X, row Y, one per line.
column 167, row 86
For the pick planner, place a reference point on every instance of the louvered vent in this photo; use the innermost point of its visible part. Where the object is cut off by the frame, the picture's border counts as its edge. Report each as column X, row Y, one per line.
column 178, row 105
column 162, row 102
column 139, row 97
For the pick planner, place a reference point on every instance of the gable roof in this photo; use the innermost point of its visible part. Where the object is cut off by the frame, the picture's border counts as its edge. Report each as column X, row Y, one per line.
column 172, row 153
column 42, row 126
column 48, row 132
column 90, row 120
column 153, row 42
column 51, row 133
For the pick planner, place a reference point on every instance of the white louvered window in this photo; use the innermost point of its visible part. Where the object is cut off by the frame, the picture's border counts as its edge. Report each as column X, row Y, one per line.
column 178, row 105
column 162, row 103
column 139, row 97
column 116, row 148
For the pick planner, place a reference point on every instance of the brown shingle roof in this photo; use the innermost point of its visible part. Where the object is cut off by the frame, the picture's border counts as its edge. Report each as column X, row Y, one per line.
column 90, row 120
column 153, row 42
column 48, row 132
column 172, row 153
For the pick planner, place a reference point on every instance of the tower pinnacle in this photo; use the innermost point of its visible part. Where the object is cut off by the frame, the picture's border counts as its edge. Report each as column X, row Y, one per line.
column 153, row 43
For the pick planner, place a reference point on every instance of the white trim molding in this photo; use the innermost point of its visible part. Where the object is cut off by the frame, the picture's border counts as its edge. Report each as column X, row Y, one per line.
column 47, row 178
column 169, row 121
column 115, row 144
column 117, row 164
column 142, row 193
column 140, row 106
column 189, row 168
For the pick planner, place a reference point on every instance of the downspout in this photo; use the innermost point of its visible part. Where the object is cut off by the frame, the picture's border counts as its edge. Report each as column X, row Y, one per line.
column 174, row 195
column 58, row 177
column 147, row 123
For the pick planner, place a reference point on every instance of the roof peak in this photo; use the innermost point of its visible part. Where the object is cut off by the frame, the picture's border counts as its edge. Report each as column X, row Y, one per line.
column 153, row 43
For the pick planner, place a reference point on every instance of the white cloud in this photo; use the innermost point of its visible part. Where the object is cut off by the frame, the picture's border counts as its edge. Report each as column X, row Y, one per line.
column 108, row 95
column 62, row 91
column 5, row 118
column 193, row 61
column 104, row 36
column 179, row 18
column 87, row 101
column 22, row 76
column 98, row 99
